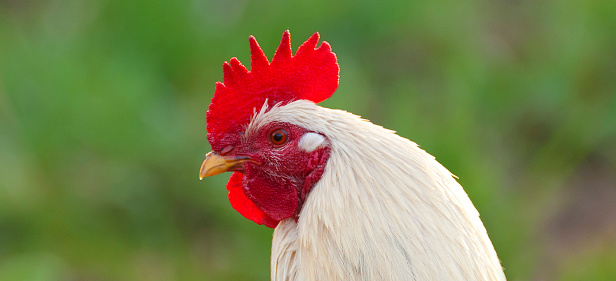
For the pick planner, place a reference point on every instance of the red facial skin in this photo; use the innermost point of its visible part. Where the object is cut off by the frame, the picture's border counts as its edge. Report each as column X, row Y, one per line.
column 279, row 177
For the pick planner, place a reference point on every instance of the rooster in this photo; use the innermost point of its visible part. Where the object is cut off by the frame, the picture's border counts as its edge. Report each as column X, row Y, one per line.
column 348, row 199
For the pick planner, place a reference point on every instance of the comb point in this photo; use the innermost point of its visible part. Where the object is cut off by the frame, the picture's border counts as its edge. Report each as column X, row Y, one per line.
column 284, row 52
column 325, row 47
column 238, row 67
column 227, row 74
column 258, row 60
column 308, row 46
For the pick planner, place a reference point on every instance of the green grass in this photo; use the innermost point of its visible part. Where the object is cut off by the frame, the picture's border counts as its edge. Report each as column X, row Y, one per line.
column 102, row 125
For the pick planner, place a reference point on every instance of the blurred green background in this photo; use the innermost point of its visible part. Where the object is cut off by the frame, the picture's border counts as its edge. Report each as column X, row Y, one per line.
column 102, row 126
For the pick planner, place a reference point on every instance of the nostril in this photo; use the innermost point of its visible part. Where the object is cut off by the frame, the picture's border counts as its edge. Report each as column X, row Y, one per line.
column 226, row 150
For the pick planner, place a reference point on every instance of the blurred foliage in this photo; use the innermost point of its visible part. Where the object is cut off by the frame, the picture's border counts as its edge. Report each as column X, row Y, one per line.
column 102, row 126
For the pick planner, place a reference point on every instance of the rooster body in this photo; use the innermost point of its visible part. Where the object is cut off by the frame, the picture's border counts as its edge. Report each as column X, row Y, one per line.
column 369, row 205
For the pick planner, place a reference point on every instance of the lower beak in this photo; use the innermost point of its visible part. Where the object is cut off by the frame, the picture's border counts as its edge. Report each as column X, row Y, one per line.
column 215, row 164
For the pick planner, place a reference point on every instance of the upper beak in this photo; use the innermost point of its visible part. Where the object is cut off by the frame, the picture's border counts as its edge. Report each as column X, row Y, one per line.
column 215, row 164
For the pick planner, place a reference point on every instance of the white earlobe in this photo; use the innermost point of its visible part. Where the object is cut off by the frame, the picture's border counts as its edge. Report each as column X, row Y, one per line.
column 309, row 142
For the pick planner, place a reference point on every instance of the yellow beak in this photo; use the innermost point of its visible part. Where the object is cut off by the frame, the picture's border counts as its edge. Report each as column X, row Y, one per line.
column 215, row 164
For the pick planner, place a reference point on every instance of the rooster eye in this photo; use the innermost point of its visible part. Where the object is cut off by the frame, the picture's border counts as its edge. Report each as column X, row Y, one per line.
column 278, row 136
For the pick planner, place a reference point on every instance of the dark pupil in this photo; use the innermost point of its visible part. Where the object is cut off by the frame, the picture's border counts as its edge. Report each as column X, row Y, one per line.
column 277, row 137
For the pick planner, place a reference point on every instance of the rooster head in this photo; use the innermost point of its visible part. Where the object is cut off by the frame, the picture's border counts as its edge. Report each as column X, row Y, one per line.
column 275, row 163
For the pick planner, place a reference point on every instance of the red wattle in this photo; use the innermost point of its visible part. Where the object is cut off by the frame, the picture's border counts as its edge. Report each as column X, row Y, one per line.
column 243, row 205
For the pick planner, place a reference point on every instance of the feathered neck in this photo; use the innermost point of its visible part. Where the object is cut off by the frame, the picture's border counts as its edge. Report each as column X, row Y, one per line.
column 384, row 209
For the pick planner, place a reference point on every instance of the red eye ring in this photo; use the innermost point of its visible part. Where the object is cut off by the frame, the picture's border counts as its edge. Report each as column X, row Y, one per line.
column 279, row 137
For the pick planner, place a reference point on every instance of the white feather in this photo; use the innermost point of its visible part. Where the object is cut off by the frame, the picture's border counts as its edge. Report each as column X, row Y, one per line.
column 384, row 209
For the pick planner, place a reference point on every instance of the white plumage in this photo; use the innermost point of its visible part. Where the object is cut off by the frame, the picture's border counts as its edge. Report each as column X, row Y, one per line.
column 384, row 209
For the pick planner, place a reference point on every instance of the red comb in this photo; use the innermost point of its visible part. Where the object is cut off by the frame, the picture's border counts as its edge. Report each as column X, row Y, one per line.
column 310, row 74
